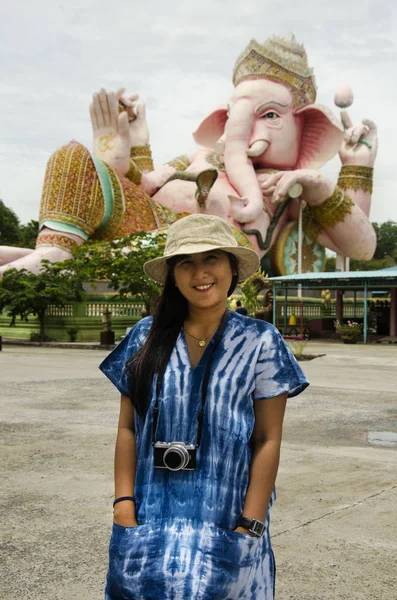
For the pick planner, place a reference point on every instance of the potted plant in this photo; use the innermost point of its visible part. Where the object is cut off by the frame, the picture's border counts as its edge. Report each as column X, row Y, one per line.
column 72, row 333
column 349, row 332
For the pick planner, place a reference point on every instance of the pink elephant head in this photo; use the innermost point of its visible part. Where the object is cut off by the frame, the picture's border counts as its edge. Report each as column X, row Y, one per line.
column 271, row 121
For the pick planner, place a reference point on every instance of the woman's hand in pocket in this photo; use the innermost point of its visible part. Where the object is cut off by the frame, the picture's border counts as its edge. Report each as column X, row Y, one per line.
column 244, row 531
column 124, row 514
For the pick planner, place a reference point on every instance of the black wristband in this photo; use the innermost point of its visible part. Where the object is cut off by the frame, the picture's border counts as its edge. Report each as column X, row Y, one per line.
column 252, row 525
column 122, row 498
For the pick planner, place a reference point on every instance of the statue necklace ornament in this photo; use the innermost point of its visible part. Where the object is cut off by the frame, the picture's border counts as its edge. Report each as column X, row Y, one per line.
column 201, row 341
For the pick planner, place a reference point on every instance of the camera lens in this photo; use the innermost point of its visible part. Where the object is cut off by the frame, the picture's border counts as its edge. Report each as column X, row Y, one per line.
column 176, row 458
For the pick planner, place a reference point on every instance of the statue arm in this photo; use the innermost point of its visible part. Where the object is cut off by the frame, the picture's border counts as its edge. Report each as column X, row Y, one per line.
column 358, row 154
column 331, row 217
column 111, row 136
column 119, row 126
column 337, row 216
column 342, row 220
column 340, row 225
column 142, row 172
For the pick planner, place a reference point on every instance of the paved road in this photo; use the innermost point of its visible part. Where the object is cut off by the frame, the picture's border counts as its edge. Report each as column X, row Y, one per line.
column 334, row 524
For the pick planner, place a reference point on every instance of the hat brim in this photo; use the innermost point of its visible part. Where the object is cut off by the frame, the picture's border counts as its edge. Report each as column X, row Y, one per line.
column 248, row 262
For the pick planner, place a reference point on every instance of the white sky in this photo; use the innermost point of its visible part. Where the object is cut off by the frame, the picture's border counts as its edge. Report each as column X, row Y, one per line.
column 179, row 56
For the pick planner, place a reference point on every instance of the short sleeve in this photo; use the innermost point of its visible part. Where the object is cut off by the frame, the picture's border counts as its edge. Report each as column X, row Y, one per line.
column 277, row 370
column 113, row 366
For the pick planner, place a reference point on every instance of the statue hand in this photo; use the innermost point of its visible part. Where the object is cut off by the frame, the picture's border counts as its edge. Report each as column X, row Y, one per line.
column 139, row 132
column 360, row 143
column 111, row 130
column 316, row 187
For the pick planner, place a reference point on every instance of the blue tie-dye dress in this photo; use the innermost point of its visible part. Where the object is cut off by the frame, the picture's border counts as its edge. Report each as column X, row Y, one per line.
column 184, row 547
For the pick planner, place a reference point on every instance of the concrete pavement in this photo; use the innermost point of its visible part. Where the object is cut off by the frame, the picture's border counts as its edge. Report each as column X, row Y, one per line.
column 334, row 525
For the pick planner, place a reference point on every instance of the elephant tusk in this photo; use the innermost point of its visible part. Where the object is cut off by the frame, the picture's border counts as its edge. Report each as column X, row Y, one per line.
column 257, row 148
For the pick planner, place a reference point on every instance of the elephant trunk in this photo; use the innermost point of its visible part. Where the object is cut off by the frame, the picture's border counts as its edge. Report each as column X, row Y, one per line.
column 239, row 168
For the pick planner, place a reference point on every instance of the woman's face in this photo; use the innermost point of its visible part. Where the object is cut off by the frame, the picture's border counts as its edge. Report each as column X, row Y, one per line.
column 204, row 279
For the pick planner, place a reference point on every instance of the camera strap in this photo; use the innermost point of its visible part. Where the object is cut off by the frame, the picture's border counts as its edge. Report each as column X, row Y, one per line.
column 204, row 387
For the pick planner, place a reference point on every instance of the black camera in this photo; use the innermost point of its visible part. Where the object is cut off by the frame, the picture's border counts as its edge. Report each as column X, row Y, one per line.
column 175, row 456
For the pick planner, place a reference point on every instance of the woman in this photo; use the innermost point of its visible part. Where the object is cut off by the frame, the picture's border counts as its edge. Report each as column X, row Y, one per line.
column 202, row 405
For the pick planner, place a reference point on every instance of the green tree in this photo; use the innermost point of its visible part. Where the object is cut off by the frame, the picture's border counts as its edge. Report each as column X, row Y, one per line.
column 120, row 263
column 330, row 264
column 28, row 234
column 386, row 239
column 374, row 264
column 23, row 293
column 10, row 234
column 385, row 253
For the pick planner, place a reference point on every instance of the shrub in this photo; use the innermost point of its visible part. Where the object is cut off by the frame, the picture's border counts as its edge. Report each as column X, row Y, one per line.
column 36, row 336
column 297, row 348
column 72, row 333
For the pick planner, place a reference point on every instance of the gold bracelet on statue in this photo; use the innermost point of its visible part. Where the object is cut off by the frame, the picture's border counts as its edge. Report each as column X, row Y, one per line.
column 140, row 151
column 354, row 177
column 333, row 210
column 180, row 163
column 59, row 241
column 133, row 173
column 309, row 224
column 142, row 157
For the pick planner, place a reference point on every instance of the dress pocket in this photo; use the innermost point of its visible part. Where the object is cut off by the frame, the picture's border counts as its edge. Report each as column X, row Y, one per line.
column 228, row 563
column 134, row 555
column 242, row 546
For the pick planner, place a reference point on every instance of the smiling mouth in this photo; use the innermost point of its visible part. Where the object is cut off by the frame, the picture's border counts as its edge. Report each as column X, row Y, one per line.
column 203, row 288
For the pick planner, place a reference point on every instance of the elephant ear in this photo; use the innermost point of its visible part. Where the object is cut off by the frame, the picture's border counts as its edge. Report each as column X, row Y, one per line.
column 212, row 128
column 321, row 138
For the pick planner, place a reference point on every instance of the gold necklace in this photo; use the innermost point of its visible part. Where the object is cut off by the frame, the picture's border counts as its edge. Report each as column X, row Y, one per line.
column 201, row 341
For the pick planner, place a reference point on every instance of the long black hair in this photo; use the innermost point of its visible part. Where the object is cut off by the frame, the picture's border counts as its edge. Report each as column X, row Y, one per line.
column 168, row 318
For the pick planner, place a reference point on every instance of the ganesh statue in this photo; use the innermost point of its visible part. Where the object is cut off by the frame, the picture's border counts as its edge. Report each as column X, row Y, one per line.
column 256, row 165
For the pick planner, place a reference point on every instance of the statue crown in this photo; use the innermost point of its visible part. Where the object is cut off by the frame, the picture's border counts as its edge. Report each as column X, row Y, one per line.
column 280, row 59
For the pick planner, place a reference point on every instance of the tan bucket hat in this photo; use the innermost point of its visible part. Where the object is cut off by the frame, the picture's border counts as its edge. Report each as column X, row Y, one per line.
column 201, row 233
